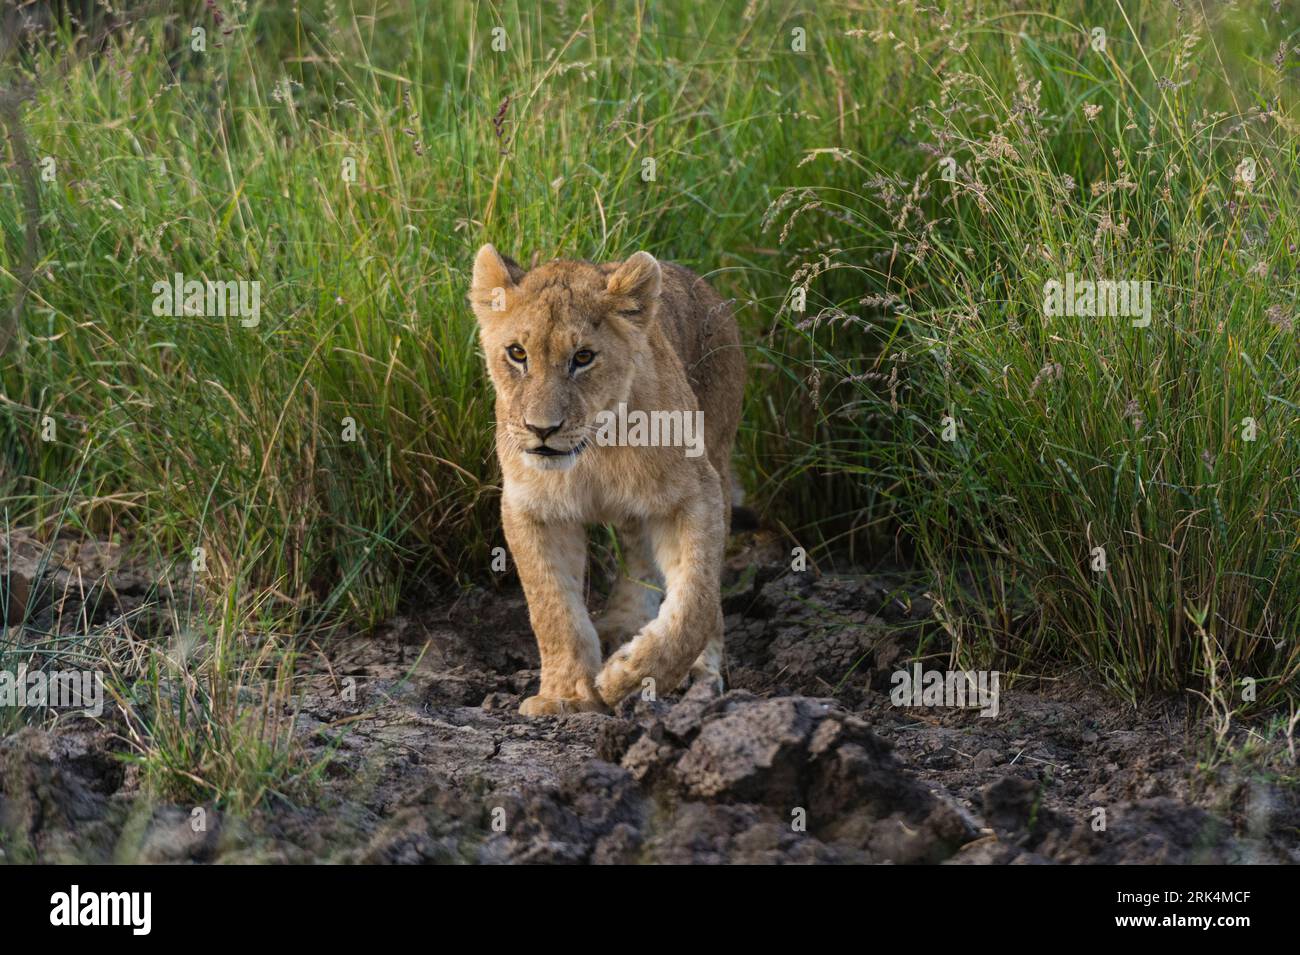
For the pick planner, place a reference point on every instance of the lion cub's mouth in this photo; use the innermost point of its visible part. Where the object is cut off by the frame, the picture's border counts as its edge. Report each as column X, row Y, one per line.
column 545, row 451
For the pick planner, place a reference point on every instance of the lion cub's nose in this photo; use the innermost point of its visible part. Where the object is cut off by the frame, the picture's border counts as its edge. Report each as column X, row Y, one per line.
column 543, row 431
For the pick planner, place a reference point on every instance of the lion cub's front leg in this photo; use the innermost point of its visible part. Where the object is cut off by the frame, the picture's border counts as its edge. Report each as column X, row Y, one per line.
column 551, row 560
column 688, row 547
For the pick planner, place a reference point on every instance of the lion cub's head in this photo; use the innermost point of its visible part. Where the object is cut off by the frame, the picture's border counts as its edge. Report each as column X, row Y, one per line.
column 562, row 343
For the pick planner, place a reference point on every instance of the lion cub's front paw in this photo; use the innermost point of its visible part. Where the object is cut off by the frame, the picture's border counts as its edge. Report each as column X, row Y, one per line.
column 557, row 706
column 619, row 677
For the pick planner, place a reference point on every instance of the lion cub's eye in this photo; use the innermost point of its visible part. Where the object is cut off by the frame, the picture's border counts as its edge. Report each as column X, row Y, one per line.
column 583, row 357
column 517, row 353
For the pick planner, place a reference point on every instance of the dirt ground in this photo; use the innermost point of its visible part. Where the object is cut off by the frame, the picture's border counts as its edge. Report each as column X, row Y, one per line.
column 803, row 759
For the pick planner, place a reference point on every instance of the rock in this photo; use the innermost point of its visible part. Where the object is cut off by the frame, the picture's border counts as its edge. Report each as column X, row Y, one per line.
column 757, row 753
column 597, row 814
column 614, row 737
column 497, row 700
column 54, row 793
column 802, row 767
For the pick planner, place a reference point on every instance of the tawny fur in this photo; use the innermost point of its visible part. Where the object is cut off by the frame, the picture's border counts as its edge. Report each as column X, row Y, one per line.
column 663, row 341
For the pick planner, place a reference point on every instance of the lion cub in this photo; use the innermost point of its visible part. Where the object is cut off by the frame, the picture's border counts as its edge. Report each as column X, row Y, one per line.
column 575, row 351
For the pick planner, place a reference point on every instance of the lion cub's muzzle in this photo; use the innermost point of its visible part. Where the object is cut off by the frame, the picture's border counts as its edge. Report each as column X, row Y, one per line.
column 553, row 452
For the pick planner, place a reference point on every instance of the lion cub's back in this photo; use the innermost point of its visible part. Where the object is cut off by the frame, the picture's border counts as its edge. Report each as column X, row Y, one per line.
column 704, row 333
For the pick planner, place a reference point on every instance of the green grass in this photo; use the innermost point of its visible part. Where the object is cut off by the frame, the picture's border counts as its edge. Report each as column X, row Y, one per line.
column 774, row 170
column 1171, row 448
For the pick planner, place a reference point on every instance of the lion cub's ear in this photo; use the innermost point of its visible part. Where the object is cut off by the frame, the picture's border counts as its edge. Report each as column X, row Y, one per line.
column 494, row 276
column 636, row 282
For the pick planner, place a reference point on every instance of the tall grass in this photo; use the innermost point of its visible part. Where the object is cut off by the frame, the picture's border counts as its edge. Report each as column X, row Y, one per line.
column 229, row 164
column 1088, row 487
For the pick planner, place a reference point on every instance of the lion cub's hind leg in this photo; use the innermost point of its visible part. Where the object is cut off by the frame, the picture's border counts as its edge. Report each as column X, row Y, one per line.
column 707, row 668
column 634, row 600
